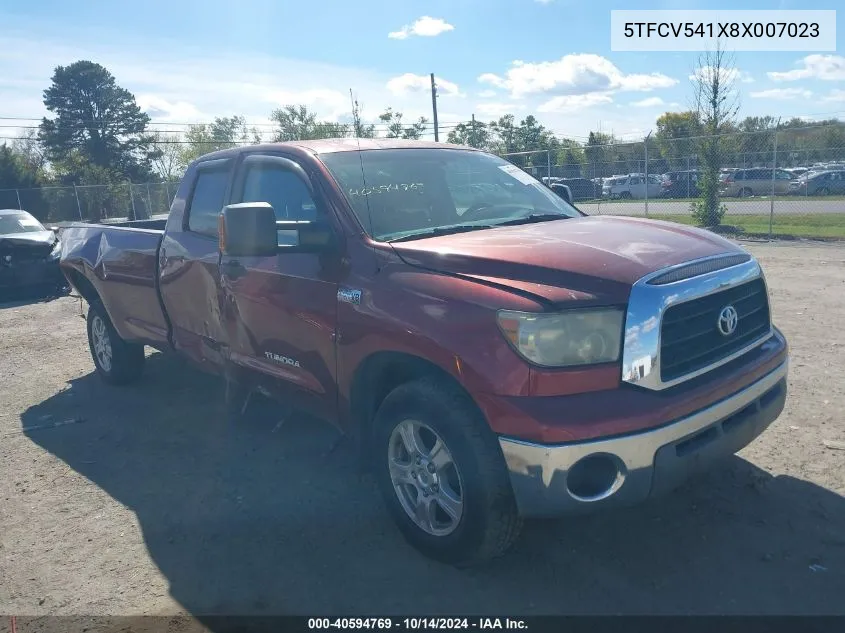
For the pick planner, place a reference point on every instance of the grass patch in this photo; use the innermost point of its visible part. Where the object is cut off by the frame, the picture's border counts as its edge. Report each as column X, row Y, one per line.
column 797, row 224
column 724, row 199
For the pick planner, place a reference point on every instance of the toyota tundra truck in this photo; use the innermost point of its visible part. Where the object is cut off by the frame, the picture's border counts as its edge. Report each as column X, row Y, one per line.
column 492, row 352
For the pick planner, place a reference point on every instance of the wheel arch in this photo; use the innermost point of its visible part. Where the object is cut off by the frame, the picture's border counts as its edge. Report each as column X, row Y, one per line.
column 379, row 374
column 83, row 286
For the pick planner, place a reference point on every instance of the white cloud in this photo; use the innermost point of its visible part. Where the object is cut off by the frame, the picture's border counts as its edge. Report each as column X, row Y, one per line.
column 165, row 111
column 493, row 80
column 424, row 27
column 649, row 102
column 824, row 67
column 495, row 110
column 835, row 96
column 178, row 83
column 573, row 103
column 728, row 75
column 487, row 94
column 411, row 83
column 577, row 74
column 175, row 84
column 782, row 94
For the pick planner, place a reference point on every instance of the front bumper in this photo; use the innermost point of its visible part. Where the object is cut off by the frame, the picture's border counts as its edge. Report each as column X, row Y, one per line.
column 631, row 468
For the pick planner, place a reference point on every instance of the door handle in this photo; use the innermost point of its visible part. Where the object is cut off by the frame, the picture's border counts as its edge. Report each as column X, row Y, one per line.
column 233, row 269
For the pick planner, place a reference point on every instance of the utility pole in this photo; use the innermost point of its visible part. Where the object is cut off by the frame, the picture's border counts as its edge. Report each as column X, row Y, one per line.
column 434, row 108
column 774, row 172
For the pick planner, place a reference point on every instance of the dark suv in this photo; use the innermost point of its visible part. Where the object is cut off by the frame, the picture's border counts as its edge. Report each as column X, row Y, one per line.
column 680, row 184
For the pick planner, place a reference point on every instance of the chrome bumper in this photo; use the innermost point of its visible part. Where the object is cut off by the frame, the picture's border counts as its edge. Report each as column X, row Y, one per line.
column 648, row 463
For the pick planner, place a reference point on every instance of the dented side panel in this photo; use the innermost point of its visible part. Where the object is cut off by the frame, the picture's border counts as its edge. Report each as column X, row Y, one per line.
column 121, row 265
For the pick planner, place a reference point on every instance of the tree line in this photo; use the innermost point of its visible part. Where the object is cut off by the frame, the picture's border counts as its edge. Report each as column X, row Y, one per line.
column 96, row 134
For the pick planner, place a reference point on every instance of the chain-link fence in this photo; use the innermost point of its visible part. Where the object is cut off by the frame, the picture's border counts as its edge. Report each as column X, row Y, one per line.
column 779, row 181
column 92, row 203
column 786, row 181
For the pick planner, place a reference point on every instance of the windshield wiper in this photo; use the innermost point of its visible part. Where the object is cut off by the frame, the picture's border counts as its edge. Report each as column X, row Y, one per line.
column 532, row 218
column 442, row 230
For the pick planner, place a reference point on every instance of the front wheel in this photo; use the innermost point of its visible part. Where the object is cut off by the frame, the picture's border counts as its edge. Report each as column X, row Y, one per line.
column 442, row 474
column 117, row 361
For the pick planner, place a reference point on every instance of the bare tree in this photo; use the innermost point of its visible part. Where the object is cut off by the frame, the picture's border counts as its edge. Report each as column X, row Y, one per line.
column 31, row 151
column 716, row 104
column 168, row 162
column 361, row 130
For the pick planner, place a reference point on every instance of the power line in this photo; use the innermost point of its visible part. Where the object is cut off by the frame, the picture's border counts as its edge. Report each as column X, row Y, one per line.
column 404, row 122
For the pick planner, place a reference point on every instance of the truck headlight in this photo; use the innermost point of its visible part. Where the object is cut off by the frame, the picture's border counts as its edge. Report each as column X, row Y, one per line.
column 57, row 250
column 584, row 336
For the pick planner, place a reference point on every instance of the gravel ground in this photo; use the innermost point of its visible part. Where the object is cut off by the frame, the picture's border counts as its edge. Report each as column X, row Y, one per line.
column 134, row 500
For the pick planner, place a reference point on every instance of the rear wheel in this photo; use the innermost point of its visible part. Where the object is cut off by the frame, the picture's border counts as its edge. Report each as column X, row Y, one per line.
column 745, row 192
column 823, row 191
column 117, row 361
column 625, row 195
column 442, row 474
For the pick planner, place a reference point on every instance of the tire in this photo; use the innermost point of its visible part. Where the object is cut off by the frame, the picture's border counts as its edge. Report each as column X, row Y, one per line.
column 745, row 192
column 625, row 195
column 484, row 522
column 117, row 362
column 822, row 191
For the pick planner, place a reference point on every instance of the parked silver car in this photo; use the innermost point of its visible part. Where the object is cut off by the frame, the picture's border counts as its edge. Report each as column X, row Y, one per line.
column 632, row 186
column 756, row 182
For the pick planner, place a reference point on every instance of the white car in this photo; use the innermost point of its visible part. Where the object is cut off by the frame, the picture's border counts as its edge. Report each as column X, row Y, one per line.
column 632, row 187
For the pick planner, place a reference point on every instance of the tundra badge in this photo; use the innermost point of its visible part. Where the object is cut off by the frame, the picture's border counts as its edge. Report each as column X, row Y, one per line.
column 283, row 360
column 347, row 295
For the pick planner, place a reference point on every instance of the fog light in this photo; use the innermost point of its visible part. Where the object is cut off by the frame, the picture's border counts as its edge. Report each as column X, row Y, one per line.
column 595, row 477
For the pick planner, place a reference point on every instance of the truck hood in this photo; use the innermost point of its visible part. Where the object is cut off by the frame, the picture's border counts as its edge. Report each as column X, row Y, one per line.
column 594, row 259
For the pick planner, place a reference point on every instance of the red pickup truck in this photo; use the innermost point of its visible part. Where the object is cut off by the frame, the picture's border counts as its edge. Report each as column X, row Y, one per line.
column 493, row 352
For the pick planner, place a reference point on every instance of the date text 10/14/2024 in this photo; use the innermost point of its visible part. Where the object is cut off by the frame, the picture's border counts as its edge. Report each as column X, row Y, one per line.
column 420, row 623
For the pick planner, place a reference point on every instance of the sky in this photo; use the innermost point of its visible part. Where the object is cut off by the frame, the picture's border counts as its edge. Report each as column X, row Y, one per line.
column 189, row 61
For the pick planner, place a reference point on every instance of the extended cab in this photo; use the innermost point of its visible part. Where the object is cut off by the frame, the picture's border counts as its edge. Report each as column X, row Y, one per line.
column 495, row 353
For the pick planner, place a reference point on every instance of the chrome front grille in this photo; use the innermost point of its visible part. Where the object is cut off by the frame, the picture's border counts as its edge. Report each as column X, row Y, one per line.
column 690, row 338
column 672, row 326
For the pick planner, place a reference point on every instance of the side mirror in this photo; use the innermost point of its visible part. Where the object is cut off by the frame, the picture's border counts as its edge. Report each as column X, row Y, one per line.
column 248, row 229
column 55, row 230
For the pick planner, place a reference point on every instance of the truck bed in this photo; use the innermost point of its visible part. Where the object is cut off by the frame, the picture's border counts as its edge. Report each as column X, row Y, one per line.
column 120, row 263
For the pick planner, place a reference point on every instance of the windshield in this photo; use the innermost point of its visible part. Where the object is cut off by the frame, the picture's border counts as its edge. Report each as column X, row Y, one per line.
column 401, row 193
column 23, row 222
